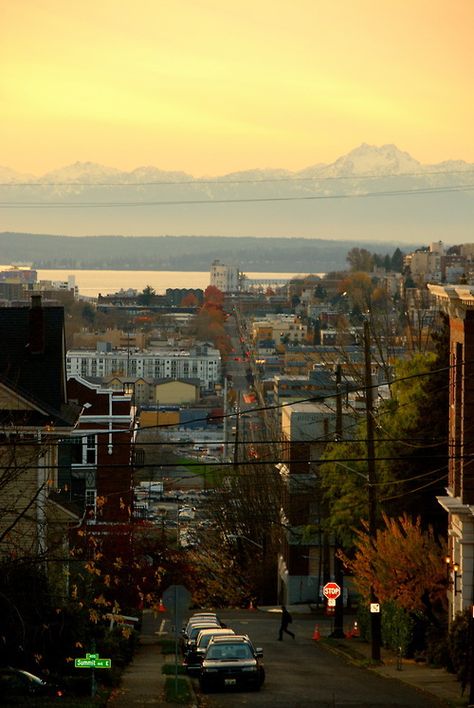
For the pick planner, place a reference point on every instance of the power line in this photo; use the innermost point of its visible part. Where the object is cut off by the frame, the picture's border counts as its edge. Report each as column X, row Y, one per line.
column 224, row 181
column 239, row 200
column 248, row 463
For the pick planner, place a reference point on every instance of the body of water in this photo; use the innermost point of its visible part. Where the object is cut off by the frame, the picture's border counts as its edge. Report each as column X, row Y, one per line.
column 93, row 282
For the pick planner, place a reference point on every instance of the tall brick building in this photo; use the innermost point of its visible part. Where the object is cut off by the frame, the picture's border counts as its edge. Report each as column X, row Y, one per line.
column 458, row 303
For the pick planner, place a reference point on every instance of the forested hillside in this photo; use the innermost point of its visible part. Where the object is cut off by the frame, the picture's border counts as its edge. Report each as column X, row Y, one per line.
column 180, row 252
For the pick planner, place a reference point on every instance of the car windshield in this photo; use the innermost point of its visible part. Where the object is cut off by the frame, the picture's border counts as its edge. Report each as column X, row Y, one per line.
column 228, row 652
column 205, row 639
column 194, row 631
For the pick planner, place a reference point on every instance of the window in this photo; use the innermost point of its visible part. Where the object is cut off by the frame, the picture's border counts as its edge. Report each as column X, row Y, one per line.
column 90, row 497
column 83, row 450
column 76, row 451
column 90, row 451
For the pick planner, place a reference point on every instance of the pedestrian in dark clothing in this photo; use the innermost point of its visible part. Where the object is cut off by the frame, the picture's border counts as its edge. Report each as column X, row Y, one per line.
column 286, row 619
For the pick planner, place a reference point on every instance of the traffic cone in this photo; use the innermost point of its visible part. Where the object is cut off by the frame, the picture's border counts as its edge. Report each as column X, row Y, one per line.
column 161, row 607
column 355, row 630
column 251, row 606
column 316, row 633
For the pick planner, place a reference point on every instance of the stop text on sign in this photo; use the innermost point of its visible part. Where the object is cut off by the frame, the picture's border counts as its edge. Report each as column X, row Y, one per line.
column 331, row 591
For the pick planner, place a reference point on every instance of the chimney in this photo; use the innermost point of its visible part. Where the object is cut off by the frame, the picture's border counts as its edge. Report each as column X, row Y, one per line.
column 36, row 326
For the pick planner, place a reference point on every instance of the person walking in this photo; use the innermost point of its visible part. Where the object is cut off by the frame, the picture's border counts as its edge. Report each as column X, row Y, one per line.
column 286, row 619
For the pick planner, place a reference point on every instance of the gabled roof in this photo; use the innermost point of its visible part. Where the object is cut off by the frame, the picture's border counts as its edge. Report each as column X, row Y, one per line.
column 191, row 382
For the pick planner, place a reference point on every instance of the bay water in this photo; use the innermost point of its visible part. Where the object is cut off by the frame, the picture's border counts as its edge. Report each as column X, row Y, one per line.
column 93, row 282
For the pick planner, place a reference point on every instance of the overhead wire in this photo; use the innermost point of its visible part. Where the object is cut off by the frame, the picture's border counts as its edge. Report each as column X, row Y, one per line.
column 225, row 181
column 237, row 200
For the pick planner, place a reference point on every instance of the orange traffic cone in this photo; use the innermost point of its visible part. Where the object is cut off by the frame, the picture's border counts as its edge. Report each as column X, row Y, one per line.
column 355, row 630
column 251, row 606
column 316, row 633
column 161, row 607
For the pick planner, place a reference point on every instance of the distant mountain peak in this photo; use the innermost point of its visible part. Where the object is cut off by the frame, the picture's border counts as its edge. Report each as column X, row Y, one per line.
column 371, row 159
column 80, row 171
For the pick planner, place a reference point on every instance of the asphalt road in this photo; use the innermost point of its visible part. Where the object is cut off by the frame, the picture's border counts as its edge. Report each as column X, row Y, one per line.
column 301, row 673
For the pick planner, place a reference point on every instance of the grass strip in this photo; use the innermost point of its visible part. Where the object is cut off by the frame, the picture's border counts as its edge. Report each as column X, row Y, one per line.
column 177, row 691
column 170, row 670
column 167, row 646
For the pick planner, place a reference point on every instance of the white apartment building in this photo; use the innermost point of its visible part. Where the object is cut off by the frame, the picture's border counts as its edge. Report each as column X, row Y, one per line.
column 224, row 277
column 201, row 362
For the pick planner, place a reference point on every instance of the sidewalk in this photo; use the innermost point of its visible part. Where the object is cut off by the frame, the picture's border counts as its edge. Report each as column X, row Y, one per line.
column 143, row 681
column 435, row 681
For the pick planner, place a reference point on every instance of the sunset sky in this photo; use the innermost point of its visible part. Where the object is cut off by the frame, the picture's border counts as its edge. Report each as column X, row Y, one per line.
column 214, row 86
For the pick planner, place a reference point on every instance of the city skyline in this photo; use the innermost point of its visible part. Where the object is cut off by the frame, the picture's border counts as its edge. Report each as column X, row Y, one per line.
column 209, row 89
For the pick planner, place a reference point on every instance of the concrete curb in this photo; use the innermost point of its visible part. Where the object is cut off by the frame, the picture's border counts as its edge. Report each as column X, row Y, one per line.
column 436, row 682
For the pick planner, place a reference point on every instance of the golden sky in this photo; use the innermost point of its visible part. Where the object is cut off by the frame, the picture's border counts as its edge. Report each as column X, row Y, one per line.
column 214, row 86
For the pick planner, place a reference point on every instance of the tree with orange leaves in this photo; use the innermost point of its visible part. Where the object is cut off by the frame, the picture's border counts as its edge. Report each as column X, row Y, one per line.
column 213, row 295
column 404, row 564
column 189, row 300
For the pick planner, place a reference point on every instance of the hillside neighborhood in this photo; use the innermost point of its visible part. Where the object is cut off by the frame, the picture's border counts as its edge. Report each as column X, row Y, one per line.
column 255, row 442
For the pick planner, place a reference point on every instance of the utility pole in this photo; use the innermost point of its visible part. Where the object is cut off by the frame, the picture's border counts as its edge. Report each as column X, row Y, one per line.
column 236, row 439
column 338, row 632
column 225, row 421
column 375, row 623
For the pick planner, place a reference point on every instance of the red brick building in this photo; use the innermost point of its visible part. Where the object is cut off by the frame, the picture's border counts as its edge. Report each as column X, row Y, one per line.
column 458, row 303
column 100, row 454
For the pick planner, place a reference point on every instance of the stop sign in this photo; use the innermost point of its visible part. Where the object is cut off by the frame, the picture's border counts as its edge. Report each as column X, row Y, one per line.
column 331, row 591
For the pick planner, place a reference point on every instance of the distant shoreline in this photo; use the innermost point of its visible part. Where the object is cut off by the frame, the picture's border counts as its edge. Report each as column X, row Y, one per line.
column 148, row 270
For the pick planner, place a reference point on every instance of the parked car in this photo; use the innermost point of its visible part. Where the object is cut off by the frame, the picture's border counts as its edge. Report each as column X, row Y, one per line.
column 16, row 684
column 231, row 662
column 197, row 622
column 195, row 652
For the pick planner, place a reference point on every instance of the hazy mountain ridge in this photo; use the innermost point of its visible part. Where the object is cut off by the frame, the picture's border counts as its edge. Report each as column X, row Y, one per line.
column 179, row 252
column 320, row 201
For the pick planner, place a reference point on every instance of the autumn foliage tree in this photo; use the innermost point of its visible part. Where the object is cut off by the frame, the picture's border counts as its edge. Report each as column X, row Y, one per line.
column 213, row 295
column 189, row 300
column 403, row 564
column 210, row 320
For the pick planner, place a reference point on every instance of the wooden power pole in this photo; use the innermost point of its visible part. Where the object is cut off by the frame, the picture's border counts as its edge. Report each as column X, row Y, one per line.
column 375, row 623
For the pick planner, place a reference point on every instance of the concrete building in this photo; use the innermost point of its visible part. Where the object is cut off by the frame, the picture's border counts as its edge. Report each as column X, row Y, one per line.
column 201, row 362
column 225, row 277
column 426, row 265
column 280, row 328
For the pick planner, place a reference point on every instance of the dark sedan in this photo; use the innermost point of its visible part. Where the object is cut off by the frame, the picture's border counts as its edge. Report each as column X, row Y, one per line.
column 231, row 662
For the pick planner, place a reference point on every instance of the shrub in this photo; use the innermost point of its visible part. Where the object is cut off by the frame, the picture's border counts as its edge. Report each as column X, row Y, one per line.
column 437, row 647
column 459, row 641
column 397, row 628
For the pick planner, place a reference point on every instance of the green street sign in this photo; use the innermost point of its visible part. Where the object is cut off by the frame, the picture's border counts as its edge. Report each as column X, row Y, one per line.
column 92, row 661
column 84, row 663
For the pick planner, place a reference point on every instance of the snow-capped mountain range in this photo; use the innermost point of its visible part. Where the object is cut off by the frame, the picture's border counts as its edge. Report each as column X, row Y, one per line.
column 365, row 160
column 413, row 200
